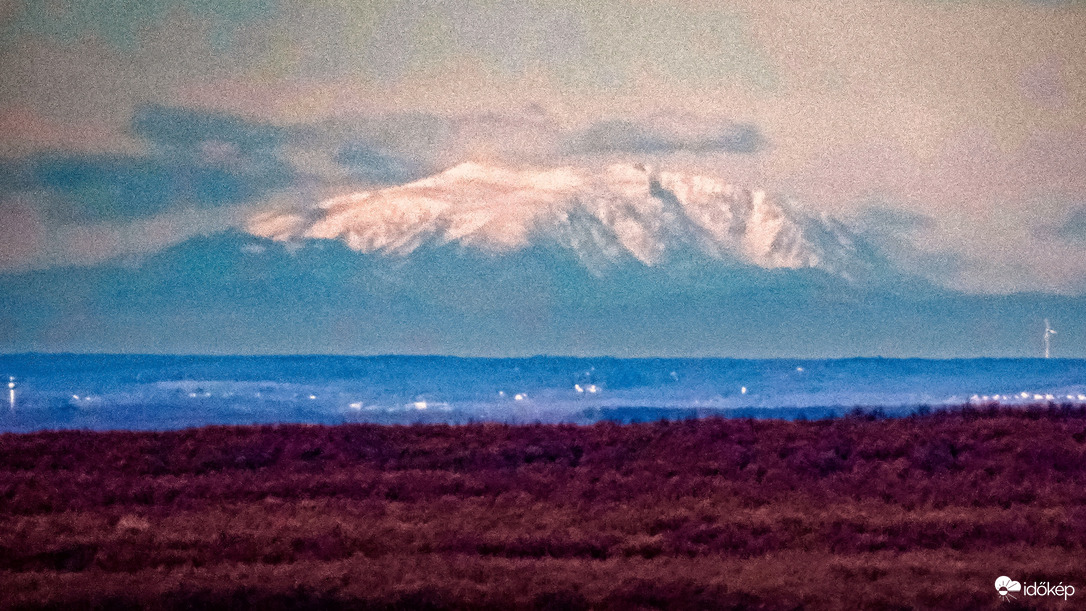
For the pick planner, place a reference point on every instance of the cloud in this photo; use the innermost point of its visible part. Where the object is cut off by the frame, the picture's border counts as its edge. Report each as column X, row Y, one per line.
column 1070, row 232
column 13, row 177
column 121, row 24
column 734, row 138
column 199, row 160
column 621, row 136
column 250, row 151
column 1004, row 252
column 203, row 173
column 393, row 148
column 92, row 188
column 371, row 165
column 897, row 233
column 1074, row 228
column 87, row 244
column 31, row 237
column 190, row 130
column 104, row 187
column 381, row 149
column 26, row 131
column 881, row 219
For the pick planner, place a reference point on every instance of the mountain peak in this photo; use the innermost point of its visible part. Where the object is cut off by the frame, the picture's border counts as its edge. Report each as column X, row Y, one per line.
column 606, row 215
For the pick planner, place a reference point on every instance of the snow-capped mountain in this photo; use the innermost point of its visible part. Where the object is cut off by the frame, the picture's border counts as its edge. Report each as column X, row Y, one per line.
column 604, row 217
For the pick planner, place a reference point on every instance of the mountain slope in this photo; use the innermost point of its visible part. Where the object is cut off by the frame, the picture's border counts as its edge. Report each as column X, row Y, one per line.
column 237, row 293
column 624, row 212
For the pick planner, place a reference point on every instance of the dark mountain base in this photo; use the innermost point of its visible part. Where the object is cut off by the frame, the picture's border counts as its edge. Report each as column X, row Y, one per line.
column 857, row 512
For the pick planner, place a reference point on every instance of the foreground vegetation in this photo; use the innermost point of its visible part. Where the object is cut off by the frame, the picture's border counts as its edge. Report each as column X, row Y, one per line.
column 857, row 512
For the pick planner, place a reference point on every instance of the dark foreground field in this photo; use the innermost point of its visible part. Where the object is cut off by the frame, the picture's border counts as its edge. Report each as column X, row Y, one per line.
column 922, row 512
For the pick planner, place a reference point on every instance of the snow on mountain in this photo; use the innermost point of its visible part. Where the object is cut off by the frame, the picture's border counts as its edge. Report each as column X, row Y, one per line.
column 624, row 211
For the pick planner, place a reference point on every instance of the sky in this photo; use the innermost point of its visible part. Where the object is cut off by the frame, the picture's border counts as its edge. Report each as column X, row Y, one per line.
column 951, row 134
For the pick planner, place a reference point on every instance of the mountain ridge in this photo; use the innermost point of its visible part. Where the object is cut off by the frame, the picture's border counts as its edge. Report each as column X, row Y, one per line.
column 624, row 211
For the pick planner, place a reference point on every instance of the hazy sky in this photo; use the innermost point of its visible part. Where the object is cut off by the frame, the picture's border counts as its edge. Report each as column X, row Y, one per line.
column 952, row 132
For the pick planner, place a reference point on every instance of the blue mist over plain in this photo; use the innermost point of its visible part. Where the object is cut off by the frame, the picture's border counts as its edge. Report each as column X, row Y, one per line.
column 169, row 392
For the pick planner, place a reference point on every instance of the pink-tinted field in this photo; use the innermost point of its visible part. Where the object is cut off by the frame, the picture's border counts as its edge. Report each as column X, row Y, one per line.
column 859, row 512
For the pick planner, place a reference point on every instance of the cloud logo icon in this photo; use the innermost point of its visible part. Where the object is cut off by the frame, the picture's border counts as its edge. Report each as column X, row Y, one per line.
column 1005, row 585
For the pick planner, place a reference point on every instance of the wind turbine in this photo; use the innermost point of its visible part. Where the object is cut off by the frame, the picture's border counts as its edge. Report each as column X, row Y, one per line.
column 1049, row 332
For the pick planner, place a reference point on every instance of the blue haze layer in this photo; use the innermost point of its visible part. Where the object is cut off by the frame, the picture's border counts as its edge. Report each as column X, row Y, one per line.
column 167, row 392
column 231, row 293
